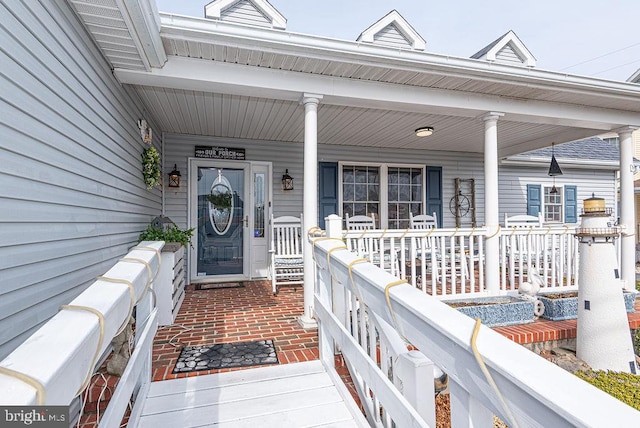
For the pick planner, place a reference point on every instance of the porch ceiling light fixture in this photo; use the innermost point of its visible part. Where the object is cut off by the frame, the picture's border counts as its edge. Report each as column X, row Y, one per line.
column 554, row 169
column 287, row 181
column 174, row 177
column 424, row 131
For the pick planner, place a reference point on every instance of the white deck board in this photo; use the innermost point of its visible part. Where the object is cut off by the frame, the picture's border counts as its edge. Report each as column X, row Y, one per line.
column 234, row 378
column 289, row 395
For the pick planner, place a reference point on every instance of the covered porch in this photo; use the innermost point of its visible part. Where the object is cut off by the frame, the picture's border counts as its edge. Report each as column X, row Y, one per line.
column 236, row 107
column 312, row 108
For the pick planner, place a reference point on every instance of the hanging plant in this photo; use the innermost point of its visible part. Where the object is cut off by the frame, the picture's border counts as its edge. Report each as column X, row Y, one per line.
column 220, row 200
column 151, row 167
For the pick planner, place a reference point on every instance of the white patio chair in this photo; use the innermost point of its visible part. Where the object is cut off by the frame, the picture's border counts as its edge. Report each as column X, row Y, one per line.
column 287, row 263
column 423, row 221
column 420, row 245
column 523, row 251
column 523, row 221
column 366, row 246
column 360, row 222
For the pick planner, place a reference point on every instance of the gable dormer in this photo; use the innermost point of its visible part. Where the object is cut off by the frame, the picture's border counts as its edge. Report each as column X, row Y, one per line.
column 635, row 77
column 508, row 49
column 393, row 30
column 259, row 13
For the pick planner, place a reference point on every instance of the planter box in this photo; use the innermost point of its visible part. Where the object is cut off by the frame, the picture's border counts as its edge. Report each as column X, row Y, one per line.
column 496, row 311
column 566, row 308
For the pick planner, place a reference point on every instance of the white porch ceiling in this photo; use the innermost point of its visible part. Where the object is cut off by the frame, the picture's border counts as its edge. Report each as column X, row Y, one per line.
column 233, row 116
column 228, row 80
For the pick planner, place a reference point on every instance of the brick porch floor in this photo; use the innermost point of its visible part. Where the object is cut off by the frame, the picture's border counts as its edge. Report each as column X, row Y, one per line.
column 240, row 314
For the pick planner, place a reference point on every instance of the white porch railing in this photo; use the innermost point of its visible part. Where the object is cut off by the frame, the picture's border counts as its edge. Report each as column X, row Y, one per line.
column 448, row 263
column 53, row 366
column 356, row 302
column 552, row 250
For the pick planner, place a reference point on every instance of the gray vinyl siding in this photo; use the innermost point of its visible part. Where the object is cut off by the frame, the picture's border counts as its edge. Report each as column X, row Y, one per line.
column 244, row 13
column 178, row 148
column 72, row 195
column 391, row 36
column 514, row 179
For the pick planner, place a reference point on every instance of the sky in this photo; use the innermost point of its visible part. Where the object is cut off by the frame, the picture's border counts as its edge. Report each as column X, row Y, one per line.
column 595, row 38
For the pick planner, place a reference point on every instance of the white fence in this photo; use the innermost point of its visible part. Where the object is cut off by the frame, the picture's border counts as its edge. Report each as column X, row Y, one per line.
column 55, row 364
column 488, row 374
column 450, row 262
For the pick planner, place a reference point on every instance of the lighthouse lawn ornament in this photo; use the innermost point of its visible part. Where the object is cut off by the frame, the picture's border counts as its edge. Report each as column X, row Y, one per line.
column 603, row 338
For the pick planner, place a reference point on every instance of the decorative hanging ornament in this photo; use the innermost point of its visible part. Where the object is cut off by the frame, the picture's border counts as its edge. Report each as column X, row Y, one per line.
column 554, row 169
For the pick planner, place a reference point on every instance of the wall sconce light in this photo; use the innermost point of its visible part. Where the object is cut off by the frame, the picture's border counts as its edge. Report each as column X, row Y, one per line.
column 287, row 181
column 145, row 131
column 424, row 131
column 174, row 177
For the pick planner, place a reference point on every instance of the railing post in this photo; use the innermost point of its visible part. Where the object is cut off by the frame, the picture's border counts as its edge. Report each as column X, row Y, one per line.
column 466, row 411
column 415, row 372
column 333, row 223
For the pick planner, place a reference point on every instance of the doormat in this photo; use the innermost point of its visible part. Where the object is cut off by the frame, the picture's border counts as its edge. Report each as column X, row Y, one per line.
column 218, row 285
column 225, row 355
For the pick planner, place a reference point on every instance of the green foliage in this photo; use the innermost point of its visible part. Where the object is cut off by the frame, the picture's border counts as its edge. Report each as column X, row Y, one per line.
column 151, row 167
column 171, row 234
column 636, row 341
column 623, row 386
column 220, row 200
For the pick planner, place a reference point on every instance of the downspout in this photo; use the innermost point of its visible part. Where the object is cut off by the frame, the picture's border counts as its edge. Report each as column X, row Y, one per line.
column 162, row 169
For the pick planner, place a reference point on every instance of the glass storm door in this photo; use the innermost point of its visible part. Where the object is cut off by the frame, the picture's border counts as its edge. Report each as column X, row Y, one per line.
column 221, row 221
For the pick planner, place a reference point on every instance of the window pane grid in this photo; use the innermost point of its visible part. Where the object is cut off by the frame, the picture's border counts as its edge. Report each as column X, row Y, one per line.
column 404, row 195
column 361, row 190
column 552, row 205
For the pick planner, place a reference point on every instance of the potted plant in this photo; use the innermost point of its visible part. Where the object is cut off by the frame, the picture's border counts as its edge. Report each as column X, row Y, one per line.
column 167, row 234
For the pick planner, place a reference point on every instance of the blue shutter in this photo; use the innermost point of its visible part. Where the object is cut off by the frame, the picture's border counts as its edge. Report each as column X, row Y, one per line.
column 570, row 204
column 434, row 192
column 327, row 190
column 534, row 199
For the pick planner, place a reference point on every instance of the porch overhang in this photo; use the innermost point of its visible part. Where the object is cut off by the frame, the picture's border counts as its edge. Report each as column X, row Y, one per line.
column 374, row 96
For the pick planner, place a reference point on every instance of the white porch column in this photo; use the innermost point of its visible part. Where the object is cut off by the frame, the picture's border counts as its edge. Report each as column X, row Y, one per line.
column 491, row 212
column 627, row 208
column 310, row 197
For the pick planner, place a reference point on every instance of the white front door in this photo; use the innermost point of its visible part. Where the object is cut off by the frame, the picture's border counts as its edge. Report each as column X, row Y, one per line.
column 229, row 203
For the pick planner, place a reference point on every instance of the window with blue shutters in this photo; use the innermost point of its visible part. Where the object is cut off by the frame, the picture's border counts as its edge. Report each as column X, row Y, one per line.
column 388, row 191
column 559, row 206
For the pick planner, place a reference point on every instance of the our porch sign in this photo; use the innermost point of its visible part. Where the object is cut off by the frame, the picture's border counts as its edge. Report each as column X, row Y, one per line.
column 210, row 152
